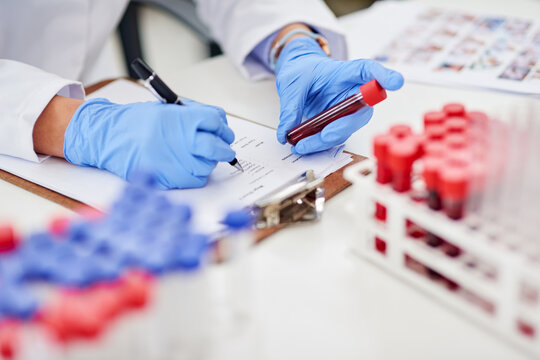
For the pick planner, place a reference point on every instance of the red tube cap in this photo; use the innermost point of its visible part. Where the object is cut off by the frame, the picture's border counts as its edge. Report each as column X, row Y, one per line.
column 455, row 125
column 434, row 118
column 400, row 131
column 453, row 182
column 401, row 154
column 435, row 132
column 432, row 167
column 454, row 109
column 59, row 225
column 380, row 147
column 8, row 239
column 372, row 92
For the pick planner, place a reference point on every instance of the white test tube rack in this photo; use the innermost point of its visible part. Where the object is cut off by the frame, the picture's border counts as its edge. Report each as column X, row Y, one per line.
column 491, row 294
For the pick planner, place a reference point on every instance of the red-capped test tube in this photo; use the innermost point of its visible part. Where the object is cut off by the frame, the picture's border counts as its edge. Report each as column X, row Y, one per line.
column 371, row 93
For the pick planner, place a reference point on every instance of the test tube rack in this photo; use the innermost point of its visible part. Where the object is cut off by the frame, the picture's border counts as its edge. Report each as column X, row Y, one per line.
column 482, row 279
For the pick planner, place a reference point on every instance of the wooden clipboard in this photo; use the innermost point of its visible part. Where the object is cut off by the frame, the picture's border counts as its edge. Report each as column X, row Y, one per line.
column 333, row 183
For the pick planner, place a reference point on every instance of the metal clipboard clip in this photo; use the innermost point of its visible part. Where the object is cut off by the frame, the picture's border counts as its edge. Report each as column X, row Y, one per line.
column 300, row 200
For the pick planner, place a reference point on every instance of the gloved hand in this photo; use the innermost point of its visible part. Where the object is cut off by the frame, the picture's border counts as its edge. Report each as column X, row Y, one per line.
column 180, row 145
column 308, row 82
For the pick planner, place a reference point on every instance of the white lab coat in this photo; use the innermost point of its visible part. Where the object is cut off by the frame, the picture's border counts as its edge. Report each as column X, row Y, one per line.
column 46, row 47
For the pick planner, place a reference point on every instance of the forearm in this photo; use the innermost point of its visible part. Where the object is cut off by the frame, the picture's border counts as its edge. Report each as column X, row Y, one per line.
column 50, row 127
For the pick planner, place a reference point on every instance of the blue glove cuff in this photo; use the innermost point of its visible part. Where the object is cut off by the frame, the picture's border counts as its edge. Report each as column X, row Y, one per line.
column 276, row 50
column 78, row 129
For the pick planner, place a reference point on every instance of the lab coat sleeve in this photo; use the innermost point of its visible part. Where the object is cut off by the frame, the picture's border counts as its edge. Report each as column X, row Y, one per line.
column 240, row 25
column 24, row 92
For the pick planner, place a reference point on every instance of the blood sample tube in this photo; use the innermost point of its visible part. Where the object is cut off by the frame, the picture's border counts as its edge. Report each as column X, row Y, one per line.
column 454, row 109
column 380, row 151
column 434, row 118
column 383, row 173
column 370, row 94
column 454, row 181
column 402, row 154
column 432, row 167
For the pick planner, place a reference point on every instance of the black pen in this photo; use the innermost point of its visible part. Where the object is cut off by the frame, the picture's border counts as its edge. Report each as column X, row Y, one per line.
column 161, row 91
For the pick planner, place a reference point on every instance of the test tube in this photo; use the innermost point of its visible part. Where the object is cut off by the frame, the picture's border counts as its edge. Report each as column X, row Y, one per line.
column 402, row 154
column 371, row 93
column 432, row 167
column 454, row 178
column 380, row 151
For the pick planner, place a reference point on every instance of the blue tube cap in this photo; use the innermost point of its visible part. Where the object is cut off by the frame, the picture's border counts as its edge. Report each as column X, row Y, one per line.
column 237, row 220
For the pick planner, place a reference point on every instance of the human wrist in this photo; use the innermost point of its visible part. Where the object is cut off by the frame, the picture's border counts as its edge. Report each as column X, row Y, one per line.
column 82, row 132
column 292, row 33
column 49, row 129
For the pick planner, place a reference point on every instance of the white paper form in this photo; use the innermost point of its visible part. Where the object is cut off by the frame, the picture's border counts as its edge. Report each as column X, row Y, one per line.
column 267, row 164
column 449, row 47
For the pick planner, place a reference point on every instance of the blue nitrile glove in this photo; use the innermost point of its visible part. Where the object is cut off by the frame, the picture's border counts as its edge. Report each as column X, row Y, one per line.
column 180, row 145
column 308, row 82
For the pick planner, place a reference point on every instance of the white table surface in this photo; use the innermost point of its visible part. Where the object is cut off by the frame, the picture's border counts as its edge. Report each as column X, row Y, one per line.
column 317, row 300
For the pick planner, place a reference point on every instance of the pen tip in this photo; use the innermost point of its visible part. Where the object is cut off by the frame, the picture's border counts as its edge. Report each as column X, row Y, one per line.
column 239, row 167
column 236, row 164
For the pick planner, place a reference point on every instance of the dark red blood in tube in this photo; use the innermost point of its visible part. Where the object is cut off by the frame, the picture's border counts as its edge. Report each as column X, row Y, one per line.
column 432, row 167
column 380, row 150
column 380, row 212
column 370, row 94
column 454, row 182
column 402, row 154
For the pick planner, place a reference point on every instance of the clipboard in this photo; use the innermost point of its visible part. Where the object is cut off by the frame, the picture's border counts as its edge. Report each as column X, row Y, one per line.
column 333, row 183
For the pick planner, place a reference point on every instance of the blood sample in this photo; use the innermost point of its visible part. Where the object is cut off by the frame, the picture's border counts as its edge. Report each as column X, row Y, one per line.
column 380, row 150
column 402, row 154
column 380, row 245
column 370, row 94
column 432, row 167
column 383, row 174
column 380, row 212
column 454, row 181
